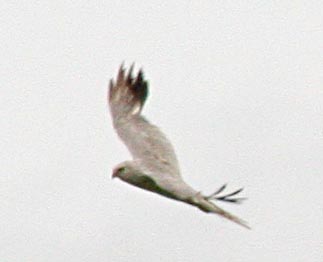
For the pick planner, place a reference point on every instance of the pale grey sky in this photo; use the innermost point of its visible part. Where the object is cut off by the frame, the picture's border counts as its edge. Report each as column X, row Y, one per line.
column 236, row 85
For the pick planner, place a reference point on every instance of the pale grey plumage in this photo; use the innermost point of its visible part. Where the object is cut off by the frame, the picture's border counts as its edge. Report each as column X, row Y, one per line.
column 154, row 166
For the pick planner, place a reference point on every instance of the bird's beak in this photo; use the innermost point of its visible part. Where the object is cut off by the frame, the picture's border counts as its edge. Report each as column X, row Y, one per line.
column 114, row 174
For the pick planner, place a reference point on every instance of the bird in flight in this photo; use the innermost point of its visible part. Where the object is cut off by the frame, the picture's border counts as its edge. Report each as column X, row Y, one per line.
column 154, row 166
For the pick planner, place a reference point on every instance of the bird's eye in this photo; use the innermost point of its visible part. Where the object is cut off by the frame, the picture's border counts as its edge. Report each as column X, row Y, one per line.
column 121, row 169
column 118, row 171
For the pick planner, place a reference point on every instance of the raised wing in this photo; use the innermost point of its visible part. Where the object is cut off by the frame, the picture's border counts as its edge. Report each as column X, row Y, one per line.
column 145, row 141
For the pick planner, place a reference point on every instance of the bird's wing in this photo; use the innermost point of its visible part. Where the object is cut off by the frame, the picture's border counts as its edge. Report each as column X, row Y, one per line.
column 145, row 141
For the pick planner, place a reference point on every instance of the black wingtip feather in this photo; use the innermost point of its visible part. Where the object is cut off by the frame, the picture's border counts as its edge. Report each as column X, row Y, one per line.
column 110, row 91
column 140, row 87
column 128, row 92
column 129, row 78
column 120, row 77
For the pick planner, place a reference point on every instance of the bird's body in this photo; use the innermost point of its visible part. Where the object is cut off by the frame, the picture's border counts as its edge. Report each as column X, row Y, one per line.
column 154, row 166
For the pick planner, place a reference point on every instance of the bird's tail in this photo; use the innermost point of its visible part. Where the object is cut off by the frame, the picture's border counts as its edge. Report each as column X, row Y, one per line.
column 209, row 207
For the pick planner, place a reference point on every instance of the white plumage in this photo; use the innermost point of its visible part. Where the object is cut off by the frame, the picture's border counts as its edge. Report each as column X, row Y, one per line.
column 154, row 166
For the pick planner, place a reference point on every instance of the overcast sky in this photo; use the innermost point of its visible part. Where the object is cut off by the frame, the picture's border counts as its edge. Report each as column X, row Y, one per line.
column 236, row 85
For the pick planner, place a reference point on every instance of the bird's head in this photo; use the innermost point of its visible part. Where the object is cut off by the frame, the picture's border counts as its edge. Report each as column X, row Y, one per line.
column 118, row 171
column 123, row 170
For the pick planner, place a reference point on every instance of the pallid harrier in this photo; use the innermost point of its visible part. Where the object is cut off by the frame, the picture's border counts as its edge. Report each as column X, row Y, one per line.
column 154, row 166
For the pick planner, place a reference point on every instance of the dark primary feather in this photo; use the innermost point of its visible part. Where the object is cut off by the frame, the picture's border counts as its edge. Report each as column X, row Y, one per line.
column 128, row 94
column 145, row 141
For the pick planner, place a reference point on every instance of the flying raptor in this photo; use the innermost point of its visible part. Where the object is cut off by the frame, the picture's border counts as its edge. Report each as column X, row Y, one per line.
column 154, row 166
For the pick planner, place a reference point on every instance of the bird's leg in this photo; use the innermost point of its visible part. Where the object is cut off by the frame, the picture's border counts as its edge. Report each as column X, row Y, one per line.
column 215, row 195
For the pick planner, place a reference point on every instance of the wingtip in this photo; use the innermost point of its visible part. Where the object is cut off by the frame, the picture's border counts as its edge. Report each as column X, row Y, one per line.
column 140, row 76
column 111, row 83
column 110, row 88
column 129, row 75
column 120, row 77
column 129, row 92
column 122, row 65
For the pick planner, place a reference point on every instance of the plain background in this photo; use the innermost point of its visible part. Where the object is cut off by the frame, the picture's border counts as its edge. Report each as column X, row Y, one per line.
column 236, row 86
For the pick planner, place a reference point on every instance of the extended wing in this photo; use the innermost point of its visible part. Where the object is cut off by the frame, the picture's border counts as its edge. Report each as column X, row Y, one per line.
column 145, row 141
